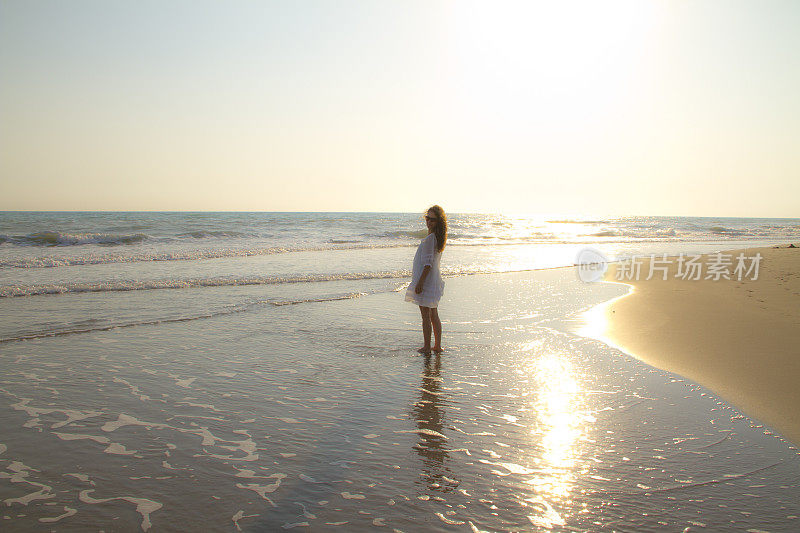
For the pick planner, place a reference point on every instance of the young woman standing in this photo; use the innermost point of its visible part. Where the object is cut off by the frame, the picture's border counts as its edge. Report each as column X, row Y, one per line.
column 427, row 286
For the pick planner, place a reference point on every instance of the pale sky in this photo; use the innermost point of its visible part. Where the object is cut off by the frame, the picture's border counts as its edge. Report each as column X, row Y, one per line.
column 612, row 108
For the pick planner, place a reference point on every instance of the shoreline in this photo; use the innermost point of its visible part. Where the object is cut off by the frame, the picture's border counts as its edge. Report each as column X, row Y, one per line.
column 738, row 338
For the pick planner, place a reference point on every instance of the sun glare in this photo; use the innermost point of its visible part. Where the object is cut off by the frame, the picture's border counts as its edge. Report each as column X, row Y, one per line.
column 562, row 425
column 565, row 61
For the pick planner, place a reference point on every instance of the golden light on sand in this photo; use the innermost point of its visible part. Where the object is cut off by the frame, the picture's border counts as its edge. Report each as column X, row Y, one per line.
column 594, row 322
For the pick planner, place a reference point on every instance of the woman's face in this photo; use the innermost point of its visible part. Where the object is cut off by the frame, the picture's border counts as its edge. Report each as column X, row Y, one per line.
column 431, row 220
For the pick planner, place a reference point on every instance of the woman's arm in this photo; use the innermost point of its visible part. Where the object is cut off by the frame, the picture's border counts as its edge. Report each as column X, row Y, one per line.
column 421, row 282
column 428, row 249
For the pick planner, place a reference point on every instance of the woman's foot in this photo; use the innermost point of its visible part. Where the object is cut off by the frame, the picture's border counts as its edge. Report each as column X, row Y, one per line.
column 438, row 349
column 424, row 350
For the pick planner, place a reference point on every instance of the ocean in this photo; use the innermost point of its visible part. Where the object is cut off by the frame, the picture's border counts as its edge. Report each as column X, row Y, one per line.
column 258, row 372
column 114, row 269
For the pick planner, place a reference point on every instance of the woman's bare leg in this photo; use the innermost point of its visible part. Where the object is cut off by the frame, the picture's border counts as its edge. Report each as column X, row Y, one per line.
column 426, row 329
column 437, row 330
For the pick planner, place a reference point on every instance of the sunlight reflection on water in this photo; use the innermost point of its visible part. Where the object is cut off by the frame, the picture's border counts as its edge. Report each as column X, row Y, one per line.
column 560, row 425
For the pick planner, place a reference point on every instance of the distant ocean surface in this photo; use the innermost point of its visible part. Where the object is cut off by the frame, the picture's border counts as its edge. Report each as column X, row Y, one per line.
column 97, row 254
column 33, row 239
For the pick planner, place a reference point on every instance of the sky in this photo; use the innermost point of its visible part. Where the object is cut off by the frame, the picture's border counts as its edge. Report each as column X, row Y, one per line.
column 595, row 108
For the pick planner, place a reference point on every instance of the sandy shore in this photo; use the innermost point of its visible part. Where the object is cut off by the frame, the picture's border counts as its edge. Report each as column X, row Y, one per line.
column 740, row 339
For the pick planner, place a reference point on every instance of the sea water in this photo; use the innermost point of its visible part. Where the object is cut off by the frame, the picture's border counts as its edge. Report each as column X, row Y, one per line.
column 204, row 371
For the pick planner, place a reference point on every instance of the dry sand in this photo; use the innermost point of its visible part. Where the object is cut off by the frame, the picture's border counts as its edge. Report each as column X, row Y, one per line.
column 740, row 339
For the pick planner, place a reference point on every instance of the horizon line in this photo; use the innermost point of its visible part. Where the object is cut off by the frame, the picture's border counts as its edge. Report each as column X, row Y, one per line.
column 509, row 213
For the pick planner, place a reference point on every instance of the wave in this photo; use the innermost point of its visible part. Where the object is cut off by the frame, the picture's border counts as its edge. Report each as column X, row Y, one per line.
column 416, row 234
column 203, row 234
column 455, row 235
column 722, row 230
column 11, row 291
column 57, row 238
column 454, row 239
column 668, row 232
column 81, row 327
column 78, row 330
column 348, row 296
column 569, row 221
column 14, row 291
column 654, row 234
column 184, row 255
column 194, row 255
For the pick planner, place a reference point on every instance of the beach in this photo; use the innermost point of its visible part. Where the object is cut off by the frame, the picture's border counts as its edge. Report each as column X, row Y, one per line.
column 740, row 338
column 164, row 372
column 212, row 214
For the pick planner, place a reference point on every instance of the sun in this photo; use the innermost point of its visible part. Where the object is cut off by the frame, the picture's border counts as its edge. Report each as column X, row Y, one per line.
column 551, row 63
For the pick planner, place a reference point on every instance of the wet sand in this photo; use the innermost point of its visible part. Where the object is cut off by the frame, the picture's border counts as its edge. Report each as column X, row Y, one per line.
column 740, row 339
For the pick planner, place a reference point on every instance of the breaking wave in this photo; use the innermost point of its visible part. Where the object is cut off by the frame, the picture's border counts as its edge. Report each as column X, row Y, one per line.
column 204, row 234
column 179, row 255
column 57, row 238
column 722, row 230
column 10, row 291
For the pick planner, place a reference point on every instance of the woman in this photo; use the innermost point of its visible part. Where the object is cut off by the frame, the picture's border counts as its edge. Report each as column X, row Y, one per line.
column 427, row 285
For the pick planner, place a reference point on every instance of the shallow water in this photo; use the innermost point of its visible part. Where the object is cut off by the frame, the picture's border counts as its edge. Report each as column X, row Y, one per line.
column 321, row 415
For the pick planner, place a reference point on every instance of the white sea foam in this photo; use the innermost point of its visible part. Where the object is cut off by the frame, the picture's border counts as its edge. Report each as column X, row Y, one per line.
column 68, row 511
column 143, row 506
column 263, row 490
column 79, row 436
column 73, row 415
column 239, row 515
column 449, row 521
column 81, row 477
column 127, row 420
column 118, row 449
column 429, row 432
column 20, row 474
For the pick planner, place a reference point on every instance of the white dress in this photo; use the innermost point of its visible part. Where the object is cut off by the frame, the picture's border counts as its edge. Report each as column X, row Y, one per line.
column 433, row 288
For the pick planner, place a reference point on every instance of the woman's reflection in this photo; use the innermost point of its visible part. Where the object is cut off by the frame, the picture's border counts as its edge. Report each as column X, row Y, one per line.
column 428, row 412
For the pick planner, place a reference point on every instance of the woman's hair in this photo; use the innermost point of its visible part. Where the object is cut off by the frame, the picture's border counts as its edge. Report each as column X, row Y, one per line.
column 441, row 227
